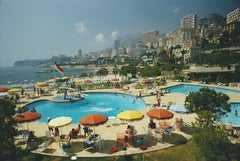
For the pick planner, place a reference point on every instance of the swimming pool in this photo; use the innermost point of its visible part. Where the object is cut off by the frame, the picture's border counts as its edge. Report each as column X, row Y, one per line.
column 232, row 117
column 229, row 118
column 109, row 104
column 187, row 88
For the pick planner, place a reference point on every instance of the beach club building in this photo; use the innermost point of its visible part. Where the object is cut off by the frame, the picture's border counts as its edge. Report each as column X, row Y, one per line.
column 202, row 73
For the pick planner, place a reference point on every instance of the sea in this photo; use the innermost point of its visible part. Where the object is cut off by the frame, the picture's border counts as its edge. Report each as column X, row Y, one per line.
column 32, row 74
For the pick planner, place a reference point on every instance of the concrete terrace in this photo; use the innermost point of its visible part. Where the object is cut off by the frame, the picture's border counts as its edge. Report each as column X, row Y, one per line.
column 109, row 130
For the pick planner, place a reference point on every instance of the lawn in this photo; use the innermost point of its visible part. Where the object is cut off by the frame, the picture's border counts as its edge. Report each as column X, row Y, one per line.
column 179, row 152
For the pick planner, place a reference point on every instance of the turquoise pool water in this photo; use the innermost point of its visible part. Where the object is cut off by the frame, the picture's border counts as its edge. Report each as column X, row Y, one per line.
column 229, row 118
column 109, row 104
column 187, row 88
column 232, row 117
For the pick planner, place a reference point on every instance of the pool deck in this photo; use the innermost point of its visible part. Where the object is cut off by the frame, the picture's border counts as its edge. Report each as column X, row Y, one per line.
column 109, row 130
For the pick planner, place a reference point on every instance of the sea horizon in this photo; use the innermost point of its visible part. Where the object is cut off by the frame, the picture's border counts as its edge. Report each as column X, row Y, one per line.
column 28, row 73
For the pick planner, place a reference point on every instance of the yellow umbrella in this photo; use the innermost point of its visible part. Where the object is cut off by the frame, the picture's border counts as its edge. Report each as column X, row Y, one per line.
column 14, row 90
column 130, row 115
column 60, row 122
column 78, row 81
column 105, row 79
column 52, row 80
column 159, row 77
column 65, row 78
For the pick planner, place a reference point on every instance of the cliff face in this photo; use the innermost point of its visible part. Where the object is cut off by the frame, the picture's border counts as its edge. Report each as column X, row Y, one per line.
column 30, row 62
column 212, row 19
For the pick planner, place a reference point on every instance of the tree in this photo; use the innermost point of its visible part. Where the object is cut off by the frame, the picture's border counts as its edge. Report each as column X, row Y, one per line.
column 149, row 71
column 123, row 71
column 84, row 75
column 115, row 71
column 207, row 100
column 132, row 68
column 102, row 72
column 209, row 139
column 8, row 149
column 212, row 144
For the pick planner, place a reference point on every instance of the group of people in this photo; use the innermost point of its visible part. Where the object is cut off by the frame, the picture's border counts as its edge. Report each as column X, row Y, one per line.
column 72, row 133
column 55, row 131
column 75, row 131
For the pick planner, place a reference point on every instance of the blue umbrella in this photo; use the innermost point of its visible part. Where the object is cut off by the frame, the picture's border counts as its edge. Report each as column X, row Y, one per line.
column 180, row 108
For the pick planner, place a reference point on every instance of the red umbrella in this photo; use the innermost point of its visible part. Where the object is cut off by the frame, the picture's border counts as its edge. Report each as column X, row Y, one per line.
column 115, row 79
column 88, row 81
column 147, row 80
column 42, row 84
column 26, row 117
column 159, row 114
column 93, row 120
column 4, row 89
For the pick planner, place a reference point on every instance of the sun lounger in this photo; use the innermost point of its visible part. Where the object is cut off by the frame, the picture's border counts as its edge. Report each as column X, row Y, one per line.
column 159, row 136
column 99, row 144
column 141, row 140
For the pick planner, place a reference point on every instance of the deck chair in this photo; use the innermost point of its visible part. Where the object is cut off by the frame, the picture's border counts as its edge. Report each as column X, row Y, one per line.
column 168, row 131
column 48, row 140
column 151, row 132
column 66, row 148
column 141, row 140
column 99, row 145
column 159, row 136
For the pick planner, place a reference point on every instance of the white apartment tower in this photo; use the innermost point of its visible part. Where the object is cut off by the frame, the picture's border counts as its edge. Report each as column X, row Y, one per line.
column 233, row 16
column 190, row 21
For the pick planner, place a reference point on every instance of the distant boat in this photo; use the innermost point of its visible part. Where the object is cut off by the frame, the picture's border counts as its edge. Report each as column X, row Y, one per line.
column 45, row 71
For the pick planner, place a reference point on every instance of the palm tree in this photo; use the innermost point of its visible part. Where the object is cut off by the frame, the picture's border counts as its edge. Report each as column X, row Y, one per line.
column 123, row 71
column 84, row 75
column 102, row 71
column 115, row 71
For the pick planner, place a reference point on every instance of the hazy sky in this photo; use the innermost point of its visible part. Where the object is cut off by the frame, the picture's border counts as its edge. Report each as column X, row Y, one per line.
column 32, row 29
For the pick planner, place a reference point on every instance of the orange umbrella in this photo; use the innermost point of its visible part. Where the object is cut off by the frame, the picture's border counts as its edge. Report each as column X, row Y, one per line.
column 42, row 84
column 4, row 89
column 93, row 120
column 88, row 81
column 159, row 114
column 115, row 79
column 147, row 80
column 27, row 117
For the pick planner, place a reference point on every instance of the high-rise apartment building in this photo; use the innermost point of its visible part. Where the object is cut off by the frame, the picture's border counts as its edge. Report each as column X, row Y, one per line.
column 80, row 53
column 150, row 37
column 233, row 16
column 116, row 48
column 190, row 21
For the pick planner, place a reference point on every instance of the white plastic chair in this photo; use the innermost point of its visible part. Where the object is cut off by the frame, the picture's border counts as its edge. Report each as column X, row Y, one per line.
column 159, row 136
column 48, row 134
